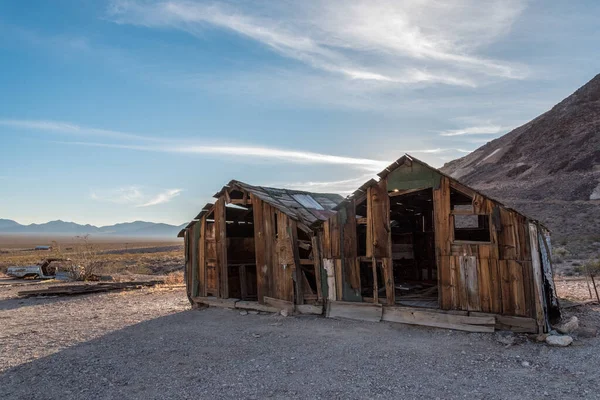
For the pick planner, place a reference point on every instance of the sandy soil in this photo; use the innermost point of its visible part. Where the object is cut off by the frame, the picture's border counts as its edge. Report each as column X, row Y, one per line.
column 149, row 344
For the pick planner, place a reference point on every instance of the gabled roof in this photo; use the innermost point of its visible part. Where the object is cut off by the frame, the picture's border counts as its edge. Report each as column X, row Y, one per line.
column 306, row 207
column 181, row 233
column 408, row 159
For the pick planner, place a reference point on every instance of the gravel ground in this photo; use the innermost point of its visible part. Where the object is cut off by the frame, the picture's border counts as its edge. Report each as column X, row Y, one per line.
column 148, row 344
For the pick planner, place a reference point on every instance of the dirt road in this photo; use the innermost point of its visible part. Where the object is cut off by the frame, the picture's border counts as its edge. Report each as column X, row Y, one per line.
column 148, row 344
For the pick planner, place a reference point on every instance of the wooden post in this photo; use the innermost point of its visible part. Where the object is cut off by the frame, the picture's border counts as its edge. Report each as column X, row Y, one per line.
column 297, row 274
column 202, row 257
column 375, row 283
column 221, row 247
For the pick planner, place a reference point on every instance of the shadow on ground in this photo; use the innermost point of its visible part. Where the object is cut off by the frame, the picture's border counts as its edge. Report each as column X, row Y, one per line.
column 217, row 353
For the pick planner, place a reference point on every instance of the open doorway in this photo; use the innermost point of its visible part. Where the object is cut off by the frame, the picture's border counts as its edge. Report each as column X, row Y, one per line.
column 241, row 259
column 413, row 248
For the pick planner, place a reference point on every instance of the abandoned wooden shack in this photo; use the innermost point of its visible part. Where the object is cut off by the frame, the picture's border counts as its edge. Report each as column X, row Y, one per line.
column 255, row 246
column 415, row 246
column 419, row 247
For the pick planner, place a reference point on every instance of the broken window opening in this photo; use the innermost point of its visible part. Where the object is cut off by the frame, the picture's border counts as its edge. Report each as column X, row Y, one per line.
column 468, row 226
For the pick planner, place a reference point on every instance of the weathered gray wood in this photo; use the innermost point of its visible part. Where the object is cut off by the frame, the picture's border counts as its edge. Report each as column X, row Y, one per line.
column 254, row 305
column 309, row 309
column 329, row 266
column 538, row 281
column 438, row 320
column 510, row 323
column 279, row 304
column 357, row 311
column 216, row 302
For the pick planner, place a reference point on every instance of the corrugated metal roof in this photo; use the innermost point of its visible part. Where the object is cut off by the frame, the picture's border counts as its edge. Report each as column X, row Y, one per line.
column 306, row 207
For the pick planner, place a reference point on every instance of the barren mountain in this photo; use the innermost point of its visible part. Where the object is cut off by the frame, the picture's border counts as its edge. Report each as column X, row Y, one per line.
column 548, row 168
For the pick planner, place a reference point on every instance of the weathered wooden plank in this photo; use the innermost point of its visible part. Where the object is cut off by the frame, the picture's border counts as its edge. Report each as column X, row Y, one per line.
column 378, row 215
column 309, row 309
column 510, row 323
column 202, row 258
column 316, row 254
column 339, row 280
column 507, row 238
column 536, row 265
column 528, row 289
column 375, row 281
column 253, row 305
column 508, row 307
column 517, row 287
column 495, row 287
column 299, row 286
column 455, row 284
column 260, row 248
column 483, row 274
column 329, row 266
column 335, row 239
column 353, row 310
column 444, row 233
column 445, row 283
column 221, row 249
column 280, row 304
column 388, row 276
column 348, row 223
column 469, row 268
column 438, row 320
column 326, row 239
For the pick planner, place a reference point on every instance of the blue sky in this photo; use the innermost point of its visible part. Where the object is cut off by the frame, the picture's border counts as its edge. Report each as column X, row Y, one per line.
column 114, row 111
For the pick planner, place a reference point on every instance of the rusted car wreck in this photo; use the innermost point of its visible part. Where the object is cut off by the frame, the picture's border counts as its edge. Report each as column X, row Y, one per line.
column 415, row 246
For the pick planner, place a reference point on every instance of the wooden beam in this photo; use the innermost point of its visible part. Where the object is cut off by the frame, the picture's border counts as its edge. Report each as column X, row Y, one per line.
column 413, row 316
column 244, row 202
column 356, row 311
column 396, row 193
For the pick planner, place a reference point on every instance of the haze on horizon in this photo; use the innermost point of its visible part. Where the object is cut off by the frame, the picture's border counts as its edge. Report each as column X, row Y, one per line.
column 123, row 110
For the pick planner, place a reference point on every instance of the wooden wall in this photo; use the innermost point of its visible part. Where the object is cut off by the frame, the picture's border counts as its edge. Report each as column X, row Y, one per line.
column 274, row 234
column 275, row 250
column 492, row 277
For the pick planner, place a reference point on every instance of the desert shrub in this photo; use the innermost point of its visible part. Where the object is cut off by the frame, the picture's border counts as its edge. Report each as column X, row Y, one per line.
column 174, row 278
column 560, row 251
column 85, row 260
column 592, row 267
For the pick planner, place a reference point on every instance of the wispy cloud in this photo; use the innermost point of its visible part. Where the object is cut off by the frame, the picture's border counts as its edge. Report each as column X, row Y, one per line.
column 129, row 141
column 476, row 130
column 70, row 128
column 134, row 196
column 122, row 195
column 390, row 42
column 162, row 198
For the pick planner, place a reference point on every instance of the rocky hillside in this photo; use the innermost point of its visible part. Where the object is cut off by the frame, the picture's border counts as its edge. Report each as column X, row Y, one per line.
column 548, row 168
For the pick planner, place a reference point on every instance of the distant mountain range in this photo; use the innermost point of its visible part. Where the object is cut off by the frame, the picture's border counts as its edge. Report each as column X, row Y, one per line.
column 135, row 229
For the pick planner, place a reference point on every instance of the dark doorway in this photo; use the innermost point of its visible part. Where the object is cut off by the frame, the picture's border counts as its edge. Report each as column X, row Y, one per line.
column 241, row 260
column 413, row 248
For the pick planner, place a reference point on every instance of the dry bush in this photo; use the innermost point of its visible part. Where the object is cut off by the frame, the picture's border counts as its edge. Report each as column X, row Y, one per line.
column 174, row 278
column 592, row 268
column 85, row 260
